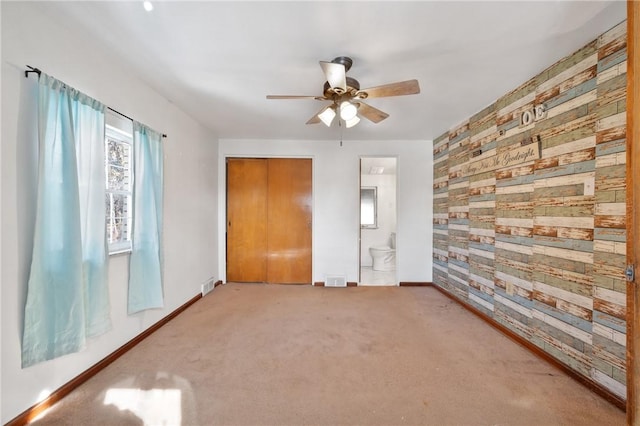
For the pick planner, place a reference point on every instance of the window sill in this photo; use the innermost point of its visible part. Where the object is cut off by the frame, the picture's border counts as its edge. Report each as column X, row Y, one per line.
column 119, row 252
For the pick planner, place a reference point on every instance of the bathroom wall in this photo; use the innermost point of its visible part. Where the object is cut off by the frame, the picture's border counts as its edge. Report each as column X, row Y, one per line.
column 386, row 185
column 539, row 244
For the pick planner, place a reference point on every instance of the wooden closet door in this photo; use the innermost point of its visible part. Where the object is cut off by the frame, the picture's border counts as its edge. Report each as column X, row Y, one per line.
column 289, row 221
column 246, row 220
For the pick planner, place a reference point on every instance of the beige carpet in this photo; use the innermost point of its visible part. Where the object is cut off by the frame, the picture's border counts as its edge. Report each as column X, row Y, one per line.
column 253, row 354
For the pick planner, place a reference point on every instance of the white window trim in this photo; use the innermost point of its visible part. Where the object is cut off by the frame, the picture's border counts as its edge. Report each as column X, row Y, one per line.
column 122, row 247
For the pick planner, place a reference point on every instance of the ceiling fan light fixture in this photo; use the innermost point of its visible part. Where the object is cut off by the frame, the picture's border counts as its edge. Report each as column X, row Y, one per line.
column 348, row 111
column 327, row 115
column 350, row 123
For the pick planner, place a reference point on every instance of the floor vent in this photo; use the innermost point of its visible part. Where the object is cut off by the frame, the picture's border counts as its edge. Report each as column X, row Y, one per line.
column 335, row 281
column 208, row 286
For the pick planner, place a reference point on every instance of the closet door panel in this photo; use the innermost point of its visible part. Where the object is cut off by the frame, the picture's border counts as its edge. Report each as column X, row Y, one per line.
column 246, row 220
column 289, row 221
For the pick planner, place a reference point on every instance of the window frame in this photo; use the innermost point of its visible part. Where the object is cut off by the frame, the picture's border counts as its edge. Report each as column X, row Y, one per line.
column 119, row 136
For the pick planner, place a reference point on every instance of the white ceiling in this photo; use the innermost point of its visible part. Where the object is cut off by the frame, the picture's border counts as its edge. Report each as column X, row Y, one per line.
column 218, row 60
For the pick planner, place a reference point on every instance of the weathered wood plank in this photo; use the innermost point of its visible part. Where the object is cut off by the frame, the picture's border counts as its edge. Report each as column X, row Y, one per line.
column 610, row 234
column 579, row 78
column 618, row 31
column 565, row 159
column 459, row 130
column 612, row 60
column 582, row 299
column 514, row 230
column 578, row 256
column 575, row 282
column 564, row 243
column 566, row 222
column 569, row 147
column 576, row 68
column 610, row 247
column 617, row 159
column 578, row 178
column 569, row 201
column 573, row 103
column 563, row 326
column 564, row 211
column 612, row 72
column 555, row 192
column 577, row 118
column 612, row 90
column 614, row 209
column 613, row 46
column 561, row 232
column 611, row 121
column 607, row 221
column 609, row 308
column 482, row 190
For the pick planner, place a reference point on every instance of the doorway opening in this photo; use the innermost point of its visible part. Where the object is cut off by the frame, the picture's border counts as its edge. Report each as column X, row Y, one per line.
column 378, row 220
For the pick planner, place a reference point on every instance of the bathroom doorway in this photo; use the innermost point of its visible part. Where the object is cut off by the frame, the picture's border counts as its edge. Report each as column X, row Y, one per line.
column 378, row 214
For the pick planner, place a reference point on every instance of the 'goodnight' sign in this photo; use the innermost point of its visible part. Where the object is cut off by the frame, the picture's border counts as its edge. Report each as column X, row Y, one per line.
column 512, row 157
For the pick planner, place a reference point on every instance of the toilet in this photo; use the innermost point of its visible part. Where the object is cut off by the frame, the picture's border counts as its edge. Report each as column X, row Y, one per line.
column 384, row 257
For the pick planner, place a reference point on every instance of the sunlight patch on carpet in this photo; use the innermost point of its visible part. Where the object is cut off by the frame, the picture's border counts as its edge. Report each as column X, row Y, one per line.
column 153, row 406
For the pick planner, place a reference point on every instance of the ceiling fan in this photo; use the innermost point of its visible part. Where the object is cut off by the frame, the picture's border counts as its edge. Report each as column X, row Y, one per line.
column 346, row 96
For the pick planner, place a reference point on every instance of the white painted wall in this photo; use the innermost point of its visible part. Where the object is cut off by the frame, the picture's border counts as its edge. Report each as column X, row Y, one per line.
column 31, row 37
column 194, row 195
column 386, row 210
column 336, row 199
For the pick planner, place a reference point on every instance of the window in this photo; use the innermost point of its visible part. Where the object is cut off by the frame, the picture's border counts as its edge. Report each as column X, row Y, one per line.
column 119, row 177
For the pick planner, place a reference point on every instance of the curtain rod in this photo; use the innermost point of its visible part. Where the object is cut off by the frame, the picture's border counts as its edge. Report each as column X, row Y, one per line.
column 37, row 71
column 127, row 117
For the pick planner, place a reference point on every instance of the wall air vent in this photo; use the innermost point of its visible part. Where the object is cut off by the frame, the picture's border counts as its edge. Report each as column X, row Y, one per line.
column 207, row 286
column 335, row 281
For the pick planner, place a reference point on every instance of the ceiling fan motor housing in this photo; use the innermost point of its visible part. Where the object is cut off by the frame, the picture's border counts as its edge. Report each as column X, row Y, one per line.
column 344, row 60
column 352, row 88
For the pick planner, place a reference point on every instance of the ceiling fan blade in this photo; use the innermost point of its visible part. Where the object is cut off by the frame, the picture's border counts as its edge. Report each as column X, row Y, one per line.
column 371, row 113
column 317, row 98
column 409, row 87
column 336, row 76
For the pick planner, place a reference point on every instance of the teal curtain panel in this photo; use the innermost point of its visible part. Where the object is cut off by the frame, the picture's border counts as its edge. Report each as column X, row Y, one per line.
column 145, row 264
column 67, row 297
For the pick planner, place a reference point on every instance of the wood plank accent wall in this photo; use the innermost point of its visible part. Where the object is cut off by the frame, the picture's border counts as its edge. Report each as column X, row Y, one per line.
column 540, row 246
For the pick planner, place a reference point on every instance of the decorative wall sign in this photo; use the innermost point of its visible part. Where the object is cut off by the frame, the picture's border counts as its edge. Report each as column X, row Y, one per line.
column 517, row 155
column 536, row 113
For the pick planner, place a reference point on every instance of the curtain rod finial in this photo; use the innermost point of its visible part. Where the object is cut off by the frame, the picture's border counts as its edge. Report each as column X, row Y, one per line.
column 30, row 70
